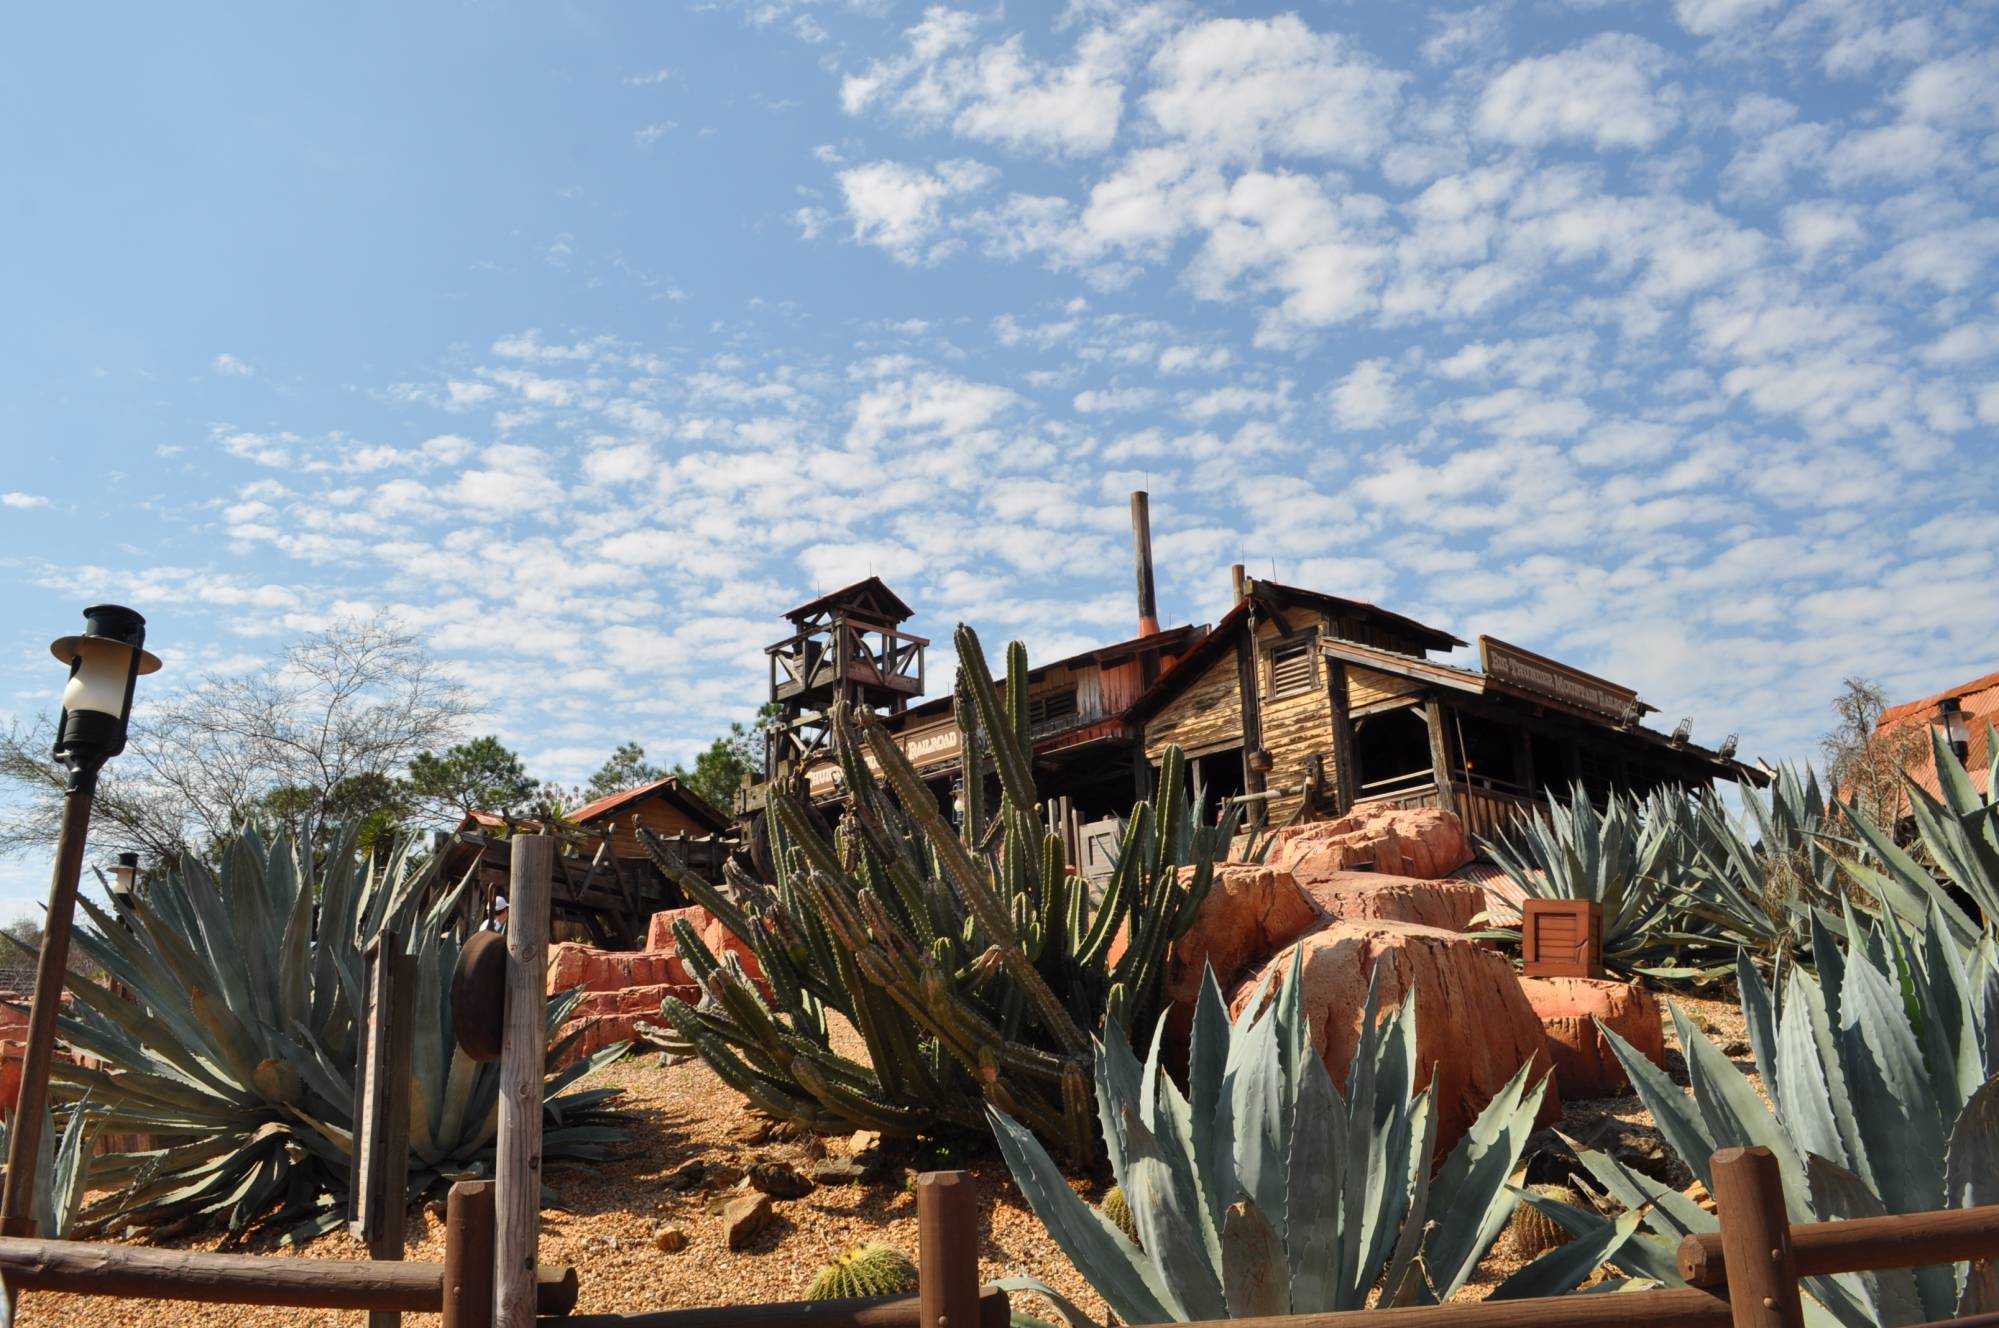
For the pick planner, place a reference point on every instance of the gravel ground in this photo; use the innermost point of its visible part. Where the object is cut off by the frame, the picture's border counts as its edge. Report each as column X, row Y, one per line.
column 682, row 1113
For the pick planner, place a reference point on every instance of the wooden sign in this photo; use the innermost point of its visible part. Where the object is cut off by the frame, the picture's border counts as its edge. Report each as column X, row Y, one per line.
column 924, row 747
column 1561, row 938
column 1537, row 673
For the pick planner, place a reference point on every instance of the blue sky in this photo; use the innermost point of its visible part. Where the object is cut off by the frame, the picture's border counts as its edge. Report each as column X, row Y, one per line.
column 587, row 338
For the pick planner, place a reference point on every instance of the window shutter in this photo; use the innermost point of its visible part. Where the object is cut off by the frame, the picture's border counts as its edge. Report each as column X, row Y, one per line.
column 1291, row 669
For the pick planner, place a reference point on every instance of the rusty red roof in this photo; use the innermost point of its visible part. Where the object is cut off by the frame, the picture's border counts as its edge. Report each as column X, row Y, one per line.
column 668, row 786
column 1980, row 699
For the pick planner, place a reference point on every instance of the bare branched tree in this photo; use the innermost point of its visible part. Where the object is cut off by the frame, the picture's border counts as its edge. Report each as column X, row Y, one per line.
column 1864, row 763
column 301, row 741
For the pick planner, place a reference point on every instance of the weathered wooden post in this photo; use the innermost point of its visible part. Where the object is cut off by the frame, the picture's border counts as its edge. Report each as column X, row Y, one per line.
column 1756, row 1239
column 522, row 1052
column 468, row 1255
column 379, row 1196
column 947, row 1250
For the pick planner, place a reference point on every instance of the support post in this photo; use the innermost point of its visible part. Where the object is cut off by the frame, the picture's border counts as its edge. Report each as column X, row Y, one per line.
column 24, row 1137
column 1343, row 735
column 468, row 1255
column 1440, row 760
column 947, row 1247
column 1756, row 1239
column 380, row 1193
column 523, row 1048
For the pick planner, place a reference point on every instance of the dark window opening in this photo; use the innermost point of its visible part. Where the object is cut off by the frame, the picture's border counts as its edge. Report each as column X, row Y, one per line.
column 1491, row 753
column 1215, row 777
column 1392, row 752
column 1552, row 770
column 1051, row 706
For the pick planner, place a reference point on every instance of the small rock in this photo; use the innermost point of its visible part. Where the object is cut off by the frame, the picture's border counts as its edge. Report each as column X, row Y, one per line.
column 812, row 1146
column 669, row 1240
column 753, row 1131
column 745, row 1218
column 838, row 1171
column 1736, row 1048
column 864, row 1141
column 686, row 1176
column 780, row 1180
column 722, row 1175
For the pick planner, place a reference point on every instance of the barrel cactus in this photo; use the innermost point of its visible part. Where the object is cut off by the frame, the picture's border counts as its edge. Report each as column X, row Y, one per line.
column 1118, row 1209
column 864, row 1270
column 1535, row 1232
column 1224, row 1232
column 976, row 966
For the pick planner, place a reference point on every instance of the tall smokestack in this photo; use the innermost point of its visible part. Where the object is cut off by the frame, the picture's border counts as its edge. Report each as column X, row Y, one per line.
column 1141, row 552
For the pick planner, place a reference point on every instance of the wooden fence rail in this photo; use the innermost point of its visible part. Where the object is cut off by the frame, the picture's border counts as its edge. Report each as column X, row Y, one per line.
column 136, row 1273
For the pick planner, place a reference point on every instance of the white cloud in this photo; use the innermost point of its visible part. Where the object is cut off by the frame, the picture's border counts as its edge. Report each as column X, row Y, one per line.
column 1366, row 397
column 22, row 501
column 1705, row 18
column 898, row 207
column 1245, row 88
column 229, row 366
column 1602, row 92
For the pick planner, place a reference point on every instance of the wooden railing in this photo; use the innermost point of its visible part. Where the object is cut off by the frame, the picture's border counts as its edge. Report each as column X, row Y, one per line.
column 1745, row 1274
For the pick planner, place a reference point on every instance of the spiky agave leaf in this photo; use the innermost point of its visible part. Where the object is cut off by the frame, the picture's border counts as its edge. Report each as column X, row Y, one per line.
column 1222, row 1231
column 235, row 1050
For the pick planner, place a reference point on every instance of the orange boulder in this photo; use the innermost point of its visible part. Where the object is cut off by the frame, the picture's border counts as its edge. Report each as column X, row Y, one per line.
column 1362, row 896
column 1408, row 841
column 1249, row 912
column 572, row 965
column 1569, row 1009
column 1474, row 1027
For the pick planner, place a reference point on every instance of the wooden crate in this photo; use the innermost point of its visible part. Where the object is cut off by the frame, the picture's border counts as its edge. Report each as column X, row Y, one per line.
column 1561, row 938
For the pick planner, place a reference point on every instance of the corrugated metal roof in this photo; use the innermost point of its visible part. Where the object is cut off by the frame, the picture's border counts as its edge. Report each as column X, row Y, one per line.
column 1980, row 698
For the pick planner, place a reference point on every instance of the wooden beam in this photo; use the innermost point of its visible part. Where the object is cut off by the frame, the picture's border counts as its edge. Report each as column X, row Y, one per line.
column 523, row 1051
column 138, row 1272
column 1440, row 761
column 864, row 1312
column 1678, row 1308
column 1344, row 779
column 1819, row 1249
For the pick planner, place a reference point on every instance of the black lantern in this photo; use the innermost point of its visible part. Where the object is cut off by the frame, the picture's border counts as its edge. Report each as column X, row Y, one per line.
column 1956, row 727
column 125, row 879
column 105, row 661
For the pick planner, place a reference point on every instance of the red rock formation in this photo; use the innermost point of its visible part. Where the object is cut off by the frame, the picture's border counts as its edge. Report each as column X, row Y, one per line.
column 1249, row 912
column 1376, row 896
column 1414, row 841
column 1568, row 1009
column 1474, row 1028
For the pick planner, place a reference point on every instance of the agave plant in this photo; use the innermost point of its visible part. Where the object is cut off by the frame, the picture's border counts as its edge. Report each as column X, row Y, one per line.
column 1630, row 855
column 231, row 1043
column 1881, row 1073
column 63, row 1173
column 975, row 966
column 1758, row 880
column 1264, row 1190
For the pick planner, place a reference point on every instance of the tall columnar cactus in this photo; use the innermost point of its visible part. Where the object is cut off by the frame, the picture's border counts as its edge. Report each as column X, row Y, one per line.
column 976, row 967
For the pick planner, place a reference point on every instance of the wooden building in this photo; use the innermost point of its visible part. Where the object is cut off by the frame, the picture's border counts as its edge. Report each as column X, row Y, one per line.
column 607, row 887
column 1318, row 704
column 1297, row 703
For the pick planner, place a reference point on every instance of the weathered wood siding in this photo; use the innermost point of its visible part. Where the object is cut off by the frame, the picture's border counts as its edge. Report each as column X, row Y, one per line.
column 657, row 815
column 1295, row 727
column 1204, row 717
column 1366, row 686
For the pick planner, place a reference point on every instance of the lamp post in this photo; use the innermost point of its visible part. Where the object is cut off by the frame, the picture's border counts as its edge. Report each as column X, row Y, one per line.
column 105, row 661
column 1956, row 728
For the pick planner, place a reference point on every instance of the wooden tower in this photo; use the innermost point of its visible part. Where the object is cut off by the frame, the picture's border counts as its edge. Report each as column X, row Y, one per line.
column 845, row 646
